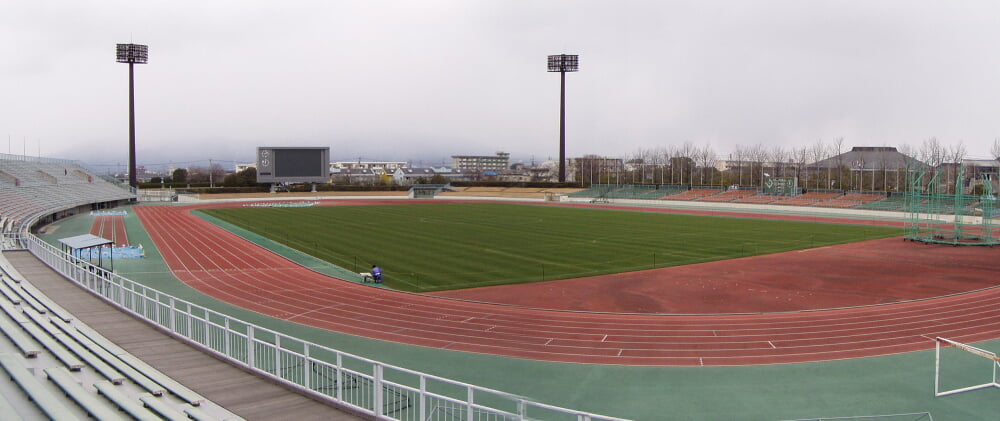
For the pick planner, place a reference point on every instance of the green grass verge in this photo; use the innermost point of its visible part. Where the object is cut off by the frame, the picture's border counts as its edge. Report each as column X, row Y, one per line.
column 441, row 246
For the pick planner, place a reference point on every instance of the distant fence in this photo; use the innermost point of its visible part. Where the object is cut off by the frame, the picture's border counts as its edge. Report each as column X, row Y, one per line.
column 354, row 382
column 26, row 158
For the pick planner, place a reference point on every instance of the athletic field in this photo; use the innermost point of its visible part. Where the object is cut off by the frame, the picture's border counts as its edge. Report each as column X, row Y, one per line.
column 442, row 246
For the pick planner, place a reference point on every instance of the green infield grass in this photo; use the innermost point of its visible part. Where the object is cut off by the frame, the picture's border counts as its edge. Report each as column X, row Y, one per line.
column 440, row 246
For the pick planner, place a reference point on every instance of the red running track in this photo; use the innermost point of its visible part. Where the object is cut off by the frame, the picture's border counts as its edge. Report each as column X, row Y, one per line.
column 111, row 227
column 226, row 267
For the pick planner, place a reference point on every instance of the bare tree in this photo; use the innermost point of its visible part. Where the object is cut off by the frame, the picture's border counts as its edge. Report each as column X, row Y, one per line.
column 664, row 154
column 819, row 154
column 996, row 149
column 706, row 159
column 910, row 166
column 932, row 152
column 801, row 156
column 740, row 154
column 837, row 151
column 758, row 156
column 955, row 154
column 685, row 157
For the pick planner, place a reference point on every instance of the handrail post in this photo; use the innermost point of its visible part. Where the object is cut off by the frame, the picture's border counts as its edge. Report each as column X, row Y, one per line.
column 170, row 314
column 423, row 397
column 308, row 367
column 470, row 396
column 250, row 346
column 340, row 377
column 377, row 384
column 278, row 369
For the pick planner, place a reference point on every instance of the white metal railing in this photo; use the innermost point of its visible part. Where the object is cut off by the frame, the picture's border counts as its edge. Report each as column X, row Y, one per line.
column 368, row 386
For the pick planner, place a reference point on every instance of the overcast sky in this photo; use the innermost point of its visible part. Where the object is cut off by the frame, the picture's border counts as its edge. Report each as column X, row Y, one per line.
column 424, row 80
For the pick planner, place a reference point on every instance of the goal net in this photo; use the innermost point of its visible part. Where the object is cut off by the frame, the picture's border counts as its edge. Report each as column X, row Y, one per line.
column 961, row 368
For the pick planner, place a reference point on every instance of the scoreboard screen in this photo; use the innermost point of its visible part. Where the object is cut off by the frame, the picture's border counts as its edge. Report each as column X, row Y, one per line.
column 293, row 165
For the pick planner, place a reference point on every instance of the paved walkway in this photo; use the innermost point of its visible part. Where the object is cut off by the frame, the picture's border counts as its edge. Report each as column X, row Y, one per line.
column 240, row 392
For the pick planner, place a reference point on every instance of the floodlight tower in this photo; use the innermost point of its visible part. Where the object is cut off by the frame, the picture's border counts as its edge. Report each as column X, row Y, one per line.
column 132, row 54
column 563, row 63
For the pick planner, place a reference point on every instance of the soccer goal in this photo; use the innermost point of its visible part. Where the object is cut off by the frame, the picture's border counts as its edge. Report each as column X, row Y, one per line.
column 957, row 365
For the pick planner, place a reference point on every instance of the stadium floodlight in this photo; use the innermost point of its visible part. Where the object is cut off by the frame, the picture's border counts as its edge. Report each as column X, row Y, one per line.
column 132, row 54
column 563, row 63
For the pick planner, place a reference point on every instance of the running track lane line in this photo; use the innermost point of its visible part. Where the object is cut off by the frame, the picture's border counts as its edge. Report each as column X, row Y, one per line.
column 231, row 269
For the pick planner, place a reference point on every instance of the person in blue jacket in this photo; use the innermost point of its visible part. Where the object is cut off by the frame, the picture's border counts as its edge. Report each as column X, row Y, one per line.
column 376, row 274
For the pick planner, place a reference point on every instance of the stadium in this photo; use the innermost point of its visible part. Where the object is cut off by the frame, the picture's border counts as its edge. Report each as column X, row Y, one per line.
column 855, row 323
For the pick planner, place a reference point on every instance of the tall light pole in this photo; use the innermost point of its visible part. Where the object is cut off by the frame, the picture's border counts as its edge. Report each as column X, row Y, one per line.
column 563, row 63
column 132, row 54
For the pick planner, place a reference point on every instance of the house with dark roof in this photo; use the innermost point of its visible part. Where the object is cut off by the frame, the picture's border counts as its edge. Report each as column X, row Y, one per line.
column 354, row 175
column 871, row 168
column 868, row 158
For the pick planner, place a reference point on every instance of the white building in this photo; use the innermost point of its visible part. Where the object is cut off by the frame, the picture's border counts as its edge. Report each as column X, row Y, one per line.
column 498, row 162
column 378, row 167
column 409, row 176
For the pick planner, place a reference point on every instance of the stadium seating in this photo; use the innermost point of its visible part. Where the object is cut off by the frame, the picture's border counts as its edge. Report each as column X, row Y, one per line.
column 86, row 373
column 808, row 198
column 891, row 203
column 728, row 195
column 635, row 192
column 47, row 187
column 595, row 190
column 693, row 194
column 851, row 200
column 760, row 199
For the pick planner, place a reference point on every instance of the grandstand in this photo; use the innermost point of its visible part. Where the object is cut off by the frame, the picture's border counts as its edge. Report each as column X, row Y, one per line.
column 84, row 373
column 851, row 200
column 51, row 189
column 594, row 190
column 729, row 195
column 511, row 192
column 889, row 203
column 809, row 198
column 760, row 199
column 694, row 194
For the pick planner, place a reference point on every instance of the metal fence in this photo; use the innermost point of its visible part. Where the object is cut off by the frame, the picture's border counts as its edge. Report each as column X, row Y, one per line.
column 371, row 387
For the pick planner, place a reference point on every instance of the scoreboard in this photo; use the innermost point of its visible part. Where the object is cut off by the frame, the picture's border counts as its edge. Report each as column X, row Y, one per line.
column 293, row 164
column 781, row 186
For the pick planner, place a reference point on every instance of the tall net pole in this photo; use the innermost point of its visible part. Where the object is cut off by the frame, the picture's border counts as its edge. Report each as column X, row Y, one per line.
column 937, row 215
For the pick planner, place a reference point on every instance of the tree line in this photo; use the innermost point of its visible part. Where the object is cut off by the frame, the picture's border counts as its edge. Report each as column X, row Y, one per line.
column 693, row 165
